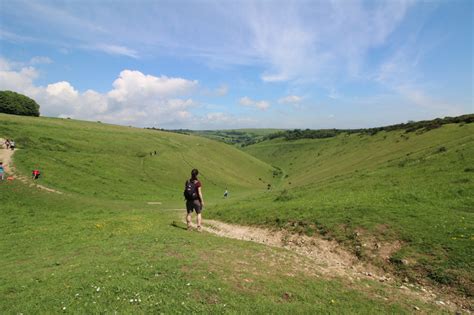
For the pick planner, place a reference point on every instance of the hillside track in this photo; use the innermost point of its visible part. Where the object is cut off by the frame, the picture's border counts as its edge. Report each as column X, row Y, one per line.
column 6, row 156
column 330, row 260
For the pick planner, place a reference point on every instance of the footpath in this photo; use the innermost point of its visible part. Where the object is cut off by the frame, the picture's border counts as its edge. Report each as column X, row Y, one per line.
column 6, row 156
column 330, row 260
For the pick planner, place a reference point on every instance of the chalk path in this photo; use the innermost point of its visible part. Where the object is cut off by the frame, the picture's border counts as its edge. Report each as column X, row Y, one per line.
column 6, row 156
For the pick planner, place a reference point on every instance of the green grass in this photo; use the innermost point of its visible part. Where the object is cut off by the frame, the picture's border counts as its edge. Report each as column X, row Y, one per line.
column 417, row 188
column 108, row 161
column 57, row 250
column 96, row 256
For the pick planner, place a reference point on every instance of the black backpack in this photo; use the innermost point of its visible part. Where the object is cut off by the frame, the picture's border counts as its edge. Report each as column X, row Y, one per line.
column 190, row 190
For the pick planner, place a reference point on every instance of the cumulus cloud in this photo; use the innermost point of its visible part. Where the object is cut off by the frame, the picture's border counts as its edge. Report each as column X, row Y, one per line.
column 136, row 98
column 247, row 101
column 290, row 100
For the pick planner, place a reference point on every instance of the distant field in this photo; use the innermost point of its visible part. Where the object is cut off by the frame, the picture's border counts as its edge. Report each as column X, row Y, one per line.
column 238, row 137
column 416, row 188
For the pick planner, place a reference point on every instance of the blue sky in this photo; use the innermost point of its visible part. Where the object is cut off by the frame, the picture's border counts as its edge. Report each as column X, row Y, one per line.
column 239, row 64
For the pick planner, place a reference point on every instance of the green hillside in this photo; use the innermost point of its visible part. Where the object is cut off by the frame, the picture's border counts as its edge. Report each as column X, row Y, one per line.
column 114, row 162
column 416, row 188
column 100, row 248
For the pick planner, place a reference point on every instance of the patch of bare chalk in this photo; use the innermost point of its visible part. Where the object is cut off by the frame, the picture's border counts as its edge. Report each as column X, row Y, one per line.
column 331, row 260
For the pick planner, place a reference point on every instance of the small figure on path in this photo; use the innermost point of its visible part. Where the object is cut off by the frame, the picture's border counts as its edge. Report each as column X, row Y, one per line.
column 194, row 199
column 226, row 193
column 12, row 145
column 35, row 174
column 2, row 171
column 7, row 144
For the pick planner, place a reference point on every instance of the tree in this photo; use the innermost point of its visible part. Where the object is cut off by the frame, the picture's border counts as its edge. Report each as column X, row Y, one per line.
column 18, row 104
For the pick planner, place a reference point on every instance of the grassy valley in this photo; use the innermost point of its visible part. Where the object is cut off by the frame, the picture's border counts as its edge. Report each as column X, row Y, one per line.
column 413, row 189
column 100, row 247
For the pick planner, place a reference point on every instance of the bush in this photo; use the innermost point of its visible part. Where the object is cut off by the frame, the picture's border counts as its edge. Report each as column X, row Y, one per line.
column 18, row 104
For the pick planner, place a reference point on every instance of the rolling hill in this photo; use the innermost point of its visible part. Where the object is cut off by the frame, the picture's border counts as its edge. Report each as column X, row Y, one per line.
column 413, row 191
column 100, row 247
column 116, row 162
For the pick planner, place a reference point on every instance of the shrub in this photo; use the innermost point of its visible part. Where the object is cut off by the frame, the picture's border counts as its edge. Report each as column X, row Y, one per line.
column 284, row 196
column 18, row 104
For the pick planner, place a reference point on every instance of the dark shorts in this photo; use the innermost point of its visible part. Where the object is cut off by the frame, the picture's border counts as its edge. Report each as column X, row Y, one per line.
column 193, row 205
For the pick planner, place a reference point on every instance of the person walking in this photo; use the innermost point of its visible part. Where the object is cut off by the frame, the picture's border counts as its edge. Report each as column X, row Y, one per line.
column 2, row 171
column 194, row 199
column 12, row 145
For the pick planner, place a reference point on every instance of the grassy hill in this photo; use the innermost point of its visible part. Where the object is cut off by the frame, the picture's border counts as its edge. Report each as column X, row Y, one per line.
column 114, row 162
column 100, row 248
column 412, row 190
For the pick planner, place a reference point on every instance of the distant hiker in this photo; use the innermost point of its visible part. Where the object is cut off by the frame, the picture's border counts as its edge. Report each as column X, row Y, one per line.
column 194, row 199
column 155, row 152
column 226, row 193
column 2, row 171
column 12, row 145
column 35, row 174
column 7, row 144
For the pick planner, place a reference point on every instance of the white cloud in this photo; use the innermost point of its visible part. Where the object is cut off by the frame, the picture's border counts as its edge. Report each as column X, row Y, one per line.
column 262, row 105
column 289, row 40
column 135, row 99
column 40, row 60
column 247, row 101
column 21, row 79
column 290, row 99
column 134, row 85
column 222, row 90
column 398, row 73
column 220, row 120
column 115, row 50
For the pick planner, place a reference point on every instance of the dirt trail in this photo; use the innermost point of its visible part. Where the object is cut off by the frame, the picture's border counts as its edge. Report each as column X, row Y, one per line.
column 329, row 259
column 6, row 158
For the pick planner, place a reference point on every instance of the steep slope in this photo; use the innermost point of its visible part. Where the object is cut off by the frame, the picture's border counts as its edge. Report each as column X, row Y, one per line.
column 413, row 192
column 116, row 162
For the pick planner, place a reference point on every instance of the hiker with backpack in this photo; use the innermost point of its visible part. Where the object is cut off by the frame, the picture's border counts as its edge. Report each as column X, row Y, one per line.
column 7, row 144
column 194, row 199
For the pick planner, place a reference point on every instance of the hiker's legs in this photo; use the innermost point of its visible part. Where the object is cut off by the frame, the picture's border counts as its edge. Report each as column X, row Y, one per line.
column 188, row 220
column 199, row 220
column 189, row 211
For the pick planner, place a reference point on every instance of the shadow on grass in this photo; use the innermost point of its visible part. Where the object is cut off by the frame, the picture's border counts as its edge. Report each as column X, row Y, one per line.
column 178, row 225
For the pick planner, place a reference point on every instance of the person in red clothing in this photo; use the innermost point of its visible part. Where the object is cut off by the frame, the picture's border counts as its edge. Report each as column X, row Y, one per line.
column 35, row 174
column 194, row 199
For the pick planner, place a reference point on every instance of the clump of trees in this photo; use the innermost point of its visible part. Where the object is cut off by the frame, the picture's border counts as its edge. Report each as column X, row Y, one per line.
column 18, row 104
